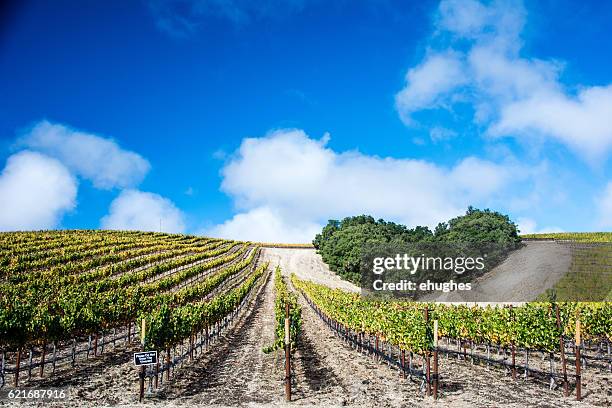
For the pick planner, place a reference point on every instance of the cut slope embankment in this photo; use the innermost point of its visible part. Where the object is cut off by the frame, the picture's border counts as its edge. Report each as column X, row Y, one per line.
column 524, row 275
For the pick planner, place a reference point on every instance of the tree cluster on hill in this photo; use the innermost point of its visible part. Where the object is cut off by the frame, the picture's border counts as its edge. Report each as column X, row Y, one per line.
column 341, row 243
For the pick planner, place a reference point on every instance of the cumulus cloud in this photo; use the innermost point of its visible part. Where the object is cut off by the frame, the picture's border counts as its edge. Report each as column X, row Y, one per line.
column 604, row 204
column 142, row 211
column 428, row 83
column 583, row 123
column 92, row 157
column 287, row 184
column 440, row 134
column 529, row 226
column 480, row 62
column 35, row 191
column 263, row 224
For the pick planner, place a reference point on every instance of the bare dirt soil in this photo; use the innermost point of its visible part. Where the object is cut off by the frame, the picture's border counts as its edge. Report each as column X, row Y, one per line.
column 308, row 265
column 524, row 275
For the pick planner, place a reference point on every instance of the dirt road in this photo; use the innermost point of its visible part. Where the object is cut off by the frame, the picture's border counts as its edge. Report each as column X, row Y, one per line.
column 523, row 276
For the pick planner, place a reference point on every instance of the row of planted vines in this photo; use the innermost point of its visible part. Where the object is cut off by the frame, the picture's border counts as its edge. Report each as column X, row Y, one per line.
column 585, row 237
column 67, row 293
column 193, row 327
column 285, row 306
column 288, row 315
column 537, row 339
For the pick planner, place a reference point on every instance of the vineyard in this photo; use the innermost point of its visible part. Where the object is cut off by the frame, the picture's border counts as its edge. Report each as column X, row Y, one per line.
column 220, row 316
column 573, row 236
column 395, row 330
column 63, row 291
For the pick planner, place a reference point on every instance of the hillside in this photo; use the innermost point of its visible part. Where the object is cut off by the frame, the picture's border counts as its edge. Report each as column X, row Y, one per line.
column 73, row 303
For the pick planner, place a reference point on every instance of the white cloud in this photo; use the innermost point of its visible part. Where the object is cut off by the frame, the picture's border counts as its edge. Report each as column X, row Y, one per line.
column 35, row 191
column 583, row 123
column 95, row 158
column 142, row 211
column 513, row 96
column 604, row 204
column 476, row 179
column 500, row 22
column 286, row 184
column 439, row 134
column 428, row 83
column 264, row 225
column 529, row 226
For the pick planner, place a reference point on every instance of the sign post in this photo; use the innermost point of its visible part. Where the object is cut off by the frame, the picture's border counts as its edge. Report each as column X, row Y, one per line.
column 144, row 358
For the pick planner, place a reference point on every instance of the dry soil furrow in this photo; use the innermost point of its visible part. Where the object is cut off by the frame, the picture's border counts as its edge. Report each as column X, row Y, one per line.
column 235, row 370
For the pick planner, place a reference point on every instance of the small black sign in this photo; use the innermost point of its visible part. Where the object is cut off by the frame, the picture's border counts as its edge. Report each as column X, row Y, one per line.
column 145, row 358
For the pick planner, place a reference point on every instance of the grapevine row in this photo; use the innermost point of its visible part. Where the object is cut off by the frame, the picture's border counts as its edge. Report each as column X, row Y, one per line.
column 87, row 308
column 168, row 324
column 284, row 298
column 531, row 326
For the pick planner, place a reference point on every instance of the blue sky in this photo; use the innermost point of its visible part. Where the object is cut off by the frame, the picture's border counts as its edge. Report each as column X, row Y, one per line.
column 222, row 118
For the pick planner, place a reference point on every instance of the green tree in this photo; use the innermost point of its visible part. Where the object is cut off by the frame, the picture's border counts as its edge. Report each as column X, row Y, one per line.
column 479, row 226
column 341, row 243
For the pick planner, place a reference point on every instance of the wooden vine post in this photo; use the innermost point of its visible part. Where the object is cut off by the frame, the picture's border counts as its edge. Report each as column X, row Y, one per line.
column 167, row 364
column 287, row 354
column 42, row 359
column 562, row 350
column 435, row 361
column 142, row 368
column 577, row 351
column 427, row 358
column 17, row 367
